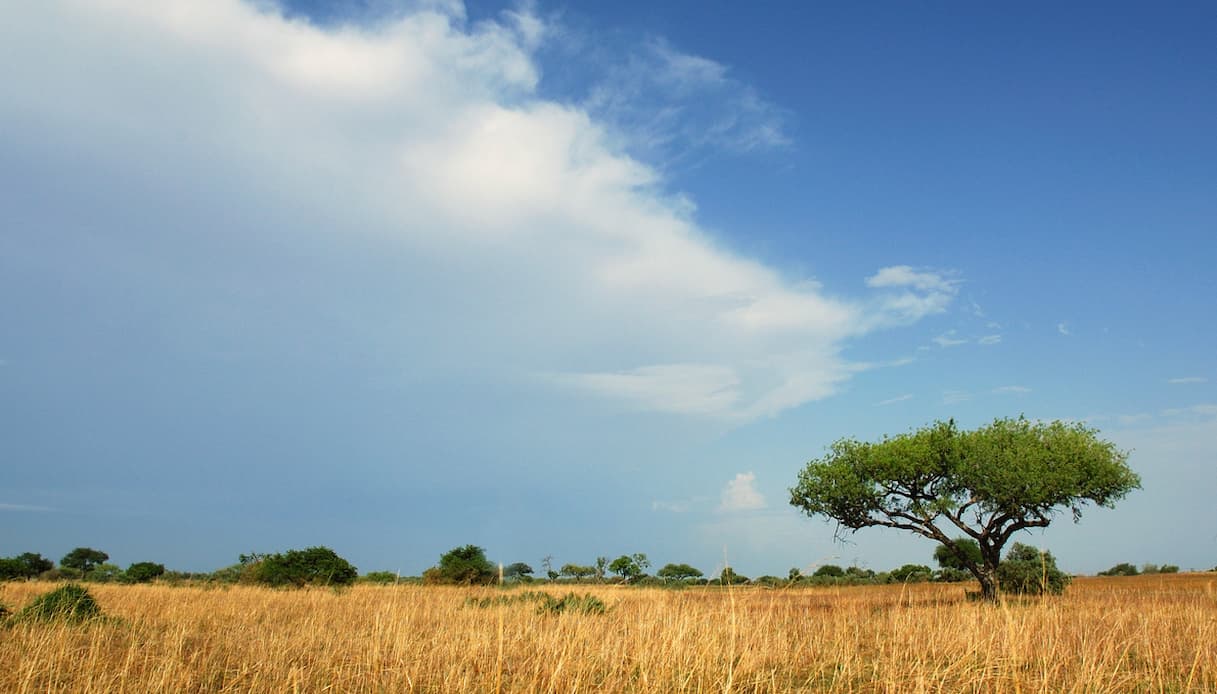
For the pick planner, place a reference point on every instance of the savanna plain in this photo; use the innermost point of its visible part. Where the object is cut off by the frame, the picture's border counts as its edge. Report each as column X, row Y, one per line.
column 1127, row 634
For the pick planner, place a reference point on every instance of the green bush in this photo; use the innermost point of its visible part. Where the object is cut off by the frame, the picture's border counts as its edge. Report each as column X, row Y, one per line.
column 144, row 572
column 70, row 602
column 381, row 577
column 581, row 604
column 463, row 566
column 312, row 566
column 1122, row 569
column 1027, row 571
column 911, row 573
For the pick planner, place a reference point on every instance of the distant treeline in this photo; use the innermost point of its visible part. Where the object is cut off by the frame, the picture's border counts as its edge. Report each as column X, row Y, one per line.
column 1023, row 569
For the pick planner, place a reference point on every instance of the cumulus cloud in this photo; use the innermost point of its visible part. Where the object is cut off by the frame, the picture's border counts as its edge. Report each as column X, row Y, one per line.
column 526, row 239
column 740, row 494
column 1063, row 328
column 908, row 294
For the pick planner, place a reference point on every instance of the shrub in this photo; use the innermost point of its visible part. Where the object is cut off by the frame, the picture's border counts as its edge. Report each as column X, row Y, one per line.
column 1168, row 569
column 312, row 566
column 1122, row 569
column 830, row 571
column 26, row 565
column 581, row 604
column 911, row 573
column 69, row 603
column 462, row 565
column 381, row 577
column 1027, row 571
column 144, row 571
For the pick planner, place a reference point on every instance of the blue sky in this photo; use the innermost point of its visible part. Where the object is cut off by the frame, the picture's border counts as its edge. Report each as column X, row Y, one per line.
column 590, row 279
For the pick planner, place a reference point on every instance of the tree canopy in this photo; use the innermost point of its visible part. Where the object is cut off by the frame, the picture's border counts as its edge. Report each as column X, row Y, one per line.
column 989, row 483
column 300, row 567
column 462, row 565
column 83, row 559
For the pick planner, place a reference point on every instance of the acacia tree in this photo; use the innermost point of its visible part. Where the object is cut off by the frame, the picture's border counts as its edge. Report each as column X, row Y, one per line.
column 989, row 483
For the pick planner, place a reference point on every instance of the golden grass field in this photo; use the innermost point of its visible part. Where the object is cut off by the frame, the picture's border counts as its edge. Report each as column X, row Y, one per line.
column 1141, row 634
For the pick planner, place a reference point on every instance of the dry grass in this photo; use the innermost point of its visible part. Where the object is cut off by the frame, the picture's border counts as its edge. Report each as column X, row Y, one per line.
column 1144, row 634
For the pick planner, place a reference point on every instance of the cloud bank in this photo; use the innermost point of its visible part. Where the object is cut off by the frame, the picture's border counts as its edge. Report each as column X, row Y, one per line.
column 529, row 245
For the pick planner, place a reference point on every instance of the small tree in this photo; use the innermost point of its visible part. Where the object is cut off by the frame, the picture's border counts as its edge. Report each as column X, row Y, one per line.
column 990, row 483
column 1027, row 571
column 83, row 559
column 678, row 572
column 629, row 567
column 462, row 565
column 578, row 572
column 1121, row 569
column 25, row 565
column 312, row 566
column 519, row 571
column 830, row 571
column 144, row 571
column 728, row 577
column 601, row 568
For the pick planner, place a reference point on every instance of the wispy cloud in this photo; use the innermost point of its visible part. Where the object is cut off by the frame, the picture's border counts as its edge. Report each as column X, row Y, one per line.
column 669, row 104
column 741, row 494
column 1188, row 379
column 893, row 401
column 670, row 506
column 948, row 339
column 1011, row 390
column 989, row 340
column 1203, row 410
column 27, row 507
column 952, row 397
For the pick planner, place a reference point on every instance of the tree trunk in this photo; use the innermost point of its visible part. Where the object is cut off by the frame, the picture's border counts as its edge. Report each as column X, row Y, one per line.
column 988, row 583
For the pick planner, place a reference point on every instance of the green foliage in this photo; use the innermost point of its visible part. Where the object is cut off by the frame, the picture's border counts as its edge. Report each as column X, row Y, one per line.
column 963, row 552
column 83, row 559
column 829, row 571
column 519, row 571
column 1121, row 569
column 630, row 567
column 462, row 566
column 1168, row 569
column 577, row 571
column 312, row 566
column 71, row 602
column 1027, row 571
column 949, row 575
column 104, row 573
column 729, row 577
column 678, row 572
column 381, row 577
column 911, row 573
column 992, row 482
column 546, row 603
column 25, row 565
column 144, row 571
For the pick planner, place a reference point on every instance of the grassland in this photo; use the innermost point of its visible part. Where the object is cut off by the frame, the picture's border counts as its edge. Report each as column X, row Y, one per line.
column 1142, row 634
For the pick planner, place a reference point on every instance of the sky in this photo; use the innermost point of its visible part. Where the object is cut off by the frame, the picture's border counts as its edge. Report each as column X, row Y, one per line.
column 580, row 280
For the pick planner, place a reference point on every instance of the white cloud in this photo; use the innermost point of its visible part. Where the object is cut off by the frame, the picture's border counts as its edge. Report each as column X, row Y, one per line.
column 1011, row 390
column 1188, row 379
column 948, row 339
column 26, row 507
column 893, row 401
column 1063, row 328
column 669, row 104
column 989, row 340
column 561, row 255
column 909, row 294
column 952, row 397
column 740, row 494
column 1203, row 410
